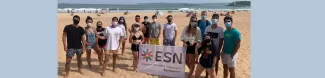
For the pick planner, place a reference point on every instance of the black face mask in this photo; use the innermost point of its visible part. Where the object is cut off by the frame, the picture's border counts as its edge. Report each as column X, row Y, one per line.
column 75, row 21
column 169, row 21
column 99, row 26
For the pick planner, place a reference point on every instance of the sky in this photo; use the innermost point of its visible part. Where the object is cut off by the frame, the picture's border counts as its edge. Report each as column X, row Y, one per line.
column 142, row 1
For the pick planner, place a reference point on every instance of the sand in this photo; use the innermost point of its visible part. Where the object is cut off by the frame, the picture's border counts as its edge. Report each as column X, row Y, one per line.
column 124, row 63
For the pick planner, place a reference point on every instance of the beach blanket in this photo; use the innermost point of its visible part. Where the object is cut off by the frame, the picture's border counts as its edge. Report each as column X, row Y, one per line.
column 162, row 60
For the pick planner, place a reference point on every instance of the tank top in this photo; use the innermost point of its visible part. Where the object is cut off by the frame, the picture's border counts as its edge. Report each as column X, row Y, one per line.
column 90, row 37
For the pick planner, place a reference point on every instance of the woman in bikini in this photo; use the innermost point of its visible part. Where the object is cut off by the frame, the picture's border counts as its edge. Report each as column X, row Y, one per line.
column 136, row 38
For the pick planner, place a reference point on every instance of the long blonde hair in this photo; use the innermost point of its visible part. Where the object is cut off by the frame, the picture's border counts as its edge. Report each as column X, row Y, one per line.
column 191, row 30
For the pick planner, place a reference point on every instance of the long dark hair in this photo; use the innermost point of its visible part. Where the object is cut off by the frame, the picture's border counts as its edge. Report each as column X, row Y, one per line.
column 190, row 29
column 124, row 22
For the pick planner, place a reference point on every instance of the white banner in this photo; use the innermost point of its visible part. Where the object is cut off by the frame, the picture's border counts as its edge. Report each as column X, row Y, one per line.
column 162, row 60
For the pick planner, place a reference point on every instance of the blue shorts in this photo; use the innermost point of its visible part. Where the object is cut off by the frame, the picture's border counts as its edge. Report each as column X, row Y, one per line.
column 169, row 42
column 90, row 45
column 70, row 53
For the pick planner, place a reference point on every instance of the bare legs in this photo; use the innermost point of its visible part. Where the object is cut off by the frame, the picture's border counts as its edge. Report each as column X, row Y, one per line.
column 200, row 69
column 190, row 62
column 99, row 53
column 123, row 47
column 107, row 58
column 135, row 59
column 216, row 70
column 67, row 66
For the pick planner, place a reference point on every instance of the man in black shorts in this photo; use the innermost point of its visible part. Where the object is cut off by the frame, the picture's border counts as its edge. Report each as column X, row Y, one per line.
column 74, row 35
column 145, row 30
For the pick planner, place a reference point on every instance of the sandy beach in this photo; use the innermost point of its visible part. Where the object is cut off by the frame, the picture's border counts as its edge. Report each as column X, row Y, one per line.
column 124, row 64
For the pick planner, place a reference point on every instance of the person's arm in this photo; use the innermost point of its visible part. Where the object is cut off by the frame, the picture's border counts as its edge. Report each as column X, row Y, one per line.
column 221, row 36
column 183, row 36
column 198, row 36
column 83, row 38
column 175, row 33
column 121, row 38
column 142, row 40
column 130, row 38
column 164, row 33
column 159, row 30
column 150, row 30
column 64, row 37
column 238, row 40
column 97, row 36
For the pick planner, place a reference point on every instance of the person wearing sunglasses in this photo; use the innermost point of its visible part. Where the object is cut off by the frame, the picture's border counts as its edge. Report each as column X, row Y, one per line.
column 190, row 37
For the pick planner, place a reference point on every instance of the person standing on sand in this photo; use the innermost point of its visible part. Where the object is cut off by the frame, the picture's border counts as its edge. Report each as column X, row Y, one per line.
column 145, row 30
column 216, row 35
column 136, row 38
column 91, row 41
column 154, row 31
column 137, row 20
column 230, row 49
column 73, row 39
column 169, row 32
column 101, row 38
column 203, row 23
column 190, row 37
column 114, row 37
column 208, row 58
column 122, row 25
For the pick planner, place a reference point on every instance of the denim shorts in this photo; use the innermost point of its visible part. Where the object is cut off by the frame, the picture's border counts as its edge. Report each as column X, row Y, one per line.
column 90, row 45
column 70, row 53
column 169, row 42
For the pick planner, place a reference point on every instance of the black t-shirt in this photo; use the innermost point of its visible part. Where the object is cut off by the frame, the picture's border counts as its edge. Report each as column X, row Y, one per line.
column 146, row 24
column 74, row 36
column 100, row 32
column 207, row 57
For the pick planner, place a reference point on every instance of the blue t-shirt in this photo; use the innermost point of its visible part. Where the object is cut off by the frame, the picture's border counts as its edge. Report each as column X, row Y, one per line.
column 203, row 25
column 230, row 39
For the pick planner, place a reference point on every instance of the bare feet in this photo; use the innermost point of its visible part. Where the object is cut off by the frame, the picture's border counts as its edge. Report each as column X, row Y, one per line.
column 65, row 76
column 80, row 72
column 103, row 74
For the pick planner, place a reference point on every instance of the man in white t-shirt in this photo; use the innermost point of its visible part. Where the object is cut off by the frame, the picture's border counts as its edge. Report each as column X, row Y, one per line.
column 216, row 34
column 170, row 32
column 114, row 35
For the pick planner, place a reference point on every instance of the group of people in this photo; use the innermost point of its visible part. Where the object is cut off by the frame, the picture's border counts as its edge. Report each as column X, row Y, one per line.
column 201, row 37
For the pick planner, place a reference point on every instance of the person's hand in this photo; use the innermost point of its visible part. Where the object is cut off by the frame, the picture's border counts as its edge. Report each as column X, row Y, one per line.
column 192, row 43
column 66, row 49
column 207, row 37
column 184, row 45
column 232, row 56
column 164, row 41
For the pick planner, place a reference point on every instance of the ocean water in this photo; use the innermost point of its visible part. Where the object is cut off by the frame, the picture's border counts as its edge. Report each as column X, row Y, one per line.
column 146, row 7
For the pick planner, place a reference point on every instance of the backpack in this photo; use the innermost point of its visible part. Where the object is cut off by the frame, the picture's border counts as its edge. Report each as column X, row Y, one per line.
column 198, row 22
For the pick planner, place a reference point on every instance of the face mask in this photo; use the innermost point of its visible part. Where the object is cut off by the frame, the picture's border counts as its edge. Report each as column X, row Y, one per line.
column 203, row 17
column 99, row 26
column 169, row 21
column 145, row 20
column 228, row 24
column 121, row 21
column 193, row 24
column 214, row 21
column 136, row 28
column 114, row 23
column 75, row 21
column 88, row 24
